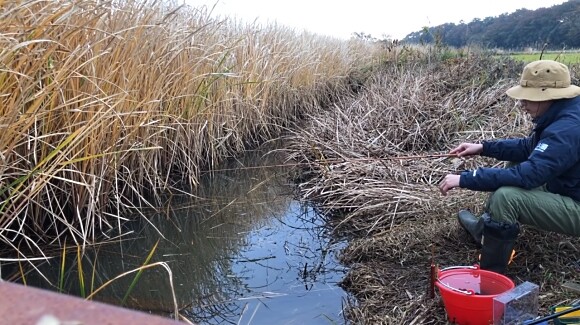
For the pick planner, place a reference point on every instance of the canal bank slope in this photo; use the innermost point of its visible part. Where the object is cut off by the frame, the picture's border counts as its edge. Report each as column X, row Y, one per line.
column 368, row 165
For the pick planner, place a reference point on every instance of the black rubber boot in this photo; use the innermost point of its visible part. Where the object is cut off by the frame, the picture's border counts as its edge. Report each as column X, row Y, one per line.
column 472, row 224
column 498, row 242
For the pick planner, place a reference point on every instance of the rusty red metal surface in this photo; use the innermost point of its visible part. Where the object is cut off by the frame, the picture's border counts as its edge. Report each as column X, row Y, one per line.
column 22, row 305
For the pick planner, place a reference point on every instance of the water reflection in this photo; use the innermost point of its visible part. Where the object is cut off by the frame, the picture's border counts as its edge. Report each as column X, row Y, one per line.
column 241, row 252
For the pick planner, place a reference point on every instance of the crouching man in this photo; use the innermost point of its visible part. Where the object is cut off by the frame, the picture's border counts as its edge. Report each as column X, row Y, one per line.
column 542, row 185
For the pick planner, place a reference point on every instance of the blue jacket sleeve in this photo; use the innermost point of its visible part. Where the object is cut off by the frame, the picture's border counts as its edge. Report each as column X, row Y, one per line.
column 514, row 150
column 551, row 157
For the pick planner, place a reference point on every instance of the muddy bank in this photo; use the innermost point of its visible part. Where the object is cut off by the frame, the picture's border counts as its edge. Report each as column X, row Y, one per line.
column 368, row 165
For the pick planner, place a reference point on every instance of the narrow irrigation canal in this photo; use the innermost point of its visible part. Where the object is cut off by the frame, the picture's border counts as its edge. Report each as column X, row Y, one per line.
column 242, row 251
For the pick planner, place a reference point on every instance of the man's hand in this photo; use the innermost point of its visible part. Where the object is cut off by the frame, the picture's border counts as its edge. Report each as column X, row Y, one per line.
column 449, row 182
column 468, row 149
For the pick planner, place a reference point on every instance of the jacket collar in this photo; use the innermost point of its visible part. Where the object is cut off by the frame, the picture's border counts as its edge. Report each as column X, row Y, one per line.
column 554, row 111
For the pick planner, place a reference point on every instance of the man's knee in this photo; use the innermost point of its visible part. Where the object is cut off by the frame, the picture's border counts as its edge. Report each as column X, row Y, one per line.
column 503, row 203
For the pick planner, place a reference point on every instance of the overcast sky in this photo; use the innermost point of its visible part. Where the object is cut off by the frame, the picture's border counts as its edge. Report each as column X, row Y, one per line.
column 379, row 18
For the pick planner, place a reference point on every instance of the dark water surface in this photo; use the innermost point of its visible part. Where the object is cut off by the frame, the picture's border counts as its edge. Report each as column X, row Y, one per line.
column 241, row 251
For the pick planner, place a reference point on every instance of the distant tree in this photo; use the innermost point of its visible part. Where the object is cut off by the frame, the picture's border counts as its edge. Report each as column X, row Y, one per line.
column 555, row 27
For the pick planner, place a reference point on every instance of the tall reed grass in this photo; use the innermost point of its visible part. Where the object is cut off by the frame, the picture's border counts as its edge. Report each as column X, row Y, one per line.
column 105, row 105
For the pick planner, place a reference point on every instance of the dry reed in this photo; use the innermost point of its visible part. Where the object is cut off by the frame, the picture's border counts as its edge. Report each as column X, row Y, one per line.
column 106, row 105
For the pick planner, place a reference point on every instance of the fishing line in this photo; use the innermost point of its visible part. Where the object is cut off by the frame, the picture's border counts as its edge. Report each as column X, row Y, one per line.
column 332, row 161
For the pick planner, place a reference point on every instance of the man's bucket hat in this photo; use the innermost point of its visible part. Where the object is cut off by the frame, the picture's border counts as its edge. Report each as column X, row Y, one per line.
column 544, row 80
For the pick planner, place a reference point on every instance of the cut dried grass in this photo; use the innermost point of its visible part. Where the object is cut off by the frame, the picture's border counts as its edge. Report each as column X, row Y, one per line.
column 354, row 169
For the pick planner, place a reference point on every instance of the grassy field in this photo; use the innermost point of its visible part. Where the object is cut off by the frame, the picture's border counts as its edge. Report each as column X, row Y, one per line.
column 567, row 58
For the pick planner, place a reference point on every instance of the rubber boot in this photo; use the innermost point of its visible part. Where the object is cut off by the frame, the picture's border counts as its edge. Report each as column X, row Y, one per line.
column 498, row 242
column 472, row 224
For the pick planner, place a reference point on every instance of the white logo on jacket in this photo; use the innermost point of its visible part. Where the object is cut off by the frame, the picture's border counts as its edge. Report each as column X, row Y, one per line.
column 541, row 147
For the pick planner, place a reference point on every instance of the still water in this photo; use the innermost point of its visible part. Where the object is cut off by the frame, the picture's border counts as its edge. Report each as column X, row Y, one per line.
column 241, row 251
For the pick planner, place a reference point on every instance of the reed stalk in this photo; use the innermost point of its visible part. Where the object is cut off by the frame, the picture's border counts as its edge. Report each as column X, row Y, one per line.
column 139, row 273
column 140, row 269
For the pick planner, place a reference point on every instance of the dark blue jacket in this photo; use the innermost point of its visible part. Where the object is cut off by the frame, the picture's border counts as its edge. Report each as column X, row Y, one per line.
column 550, row 155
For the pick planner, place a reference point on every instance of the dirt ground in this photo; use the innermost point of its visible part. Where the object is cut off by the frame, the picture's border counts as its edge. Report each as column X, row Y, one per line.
column 368, row 165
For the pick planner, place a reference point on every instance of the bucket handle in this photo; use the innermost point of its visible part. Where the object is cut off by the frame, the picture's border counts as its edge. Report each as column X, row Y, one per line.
column 473, row 267
column 465, row 292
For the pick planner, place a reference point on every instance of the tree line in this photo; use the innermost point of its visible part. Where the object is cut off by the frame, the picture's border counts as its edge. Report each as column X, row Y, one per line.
column 556, row 27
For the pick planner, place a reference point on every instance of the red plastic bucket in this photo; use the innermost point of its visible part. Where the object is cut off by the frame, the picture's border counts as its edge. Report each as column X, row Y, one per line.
column 468, row 292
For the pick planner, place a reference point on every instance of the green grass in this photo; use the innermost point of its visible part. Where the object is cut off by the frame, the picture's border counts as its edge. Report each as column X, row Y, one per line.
column 564, row 57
